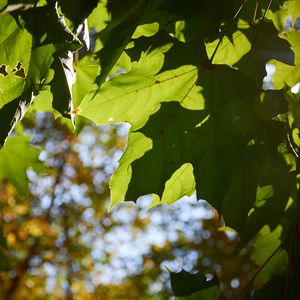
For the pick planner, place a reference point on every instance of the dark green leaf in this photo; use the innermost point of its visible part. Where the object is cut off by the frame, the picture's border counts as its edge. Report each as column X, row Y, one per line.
column 274, row 289
column 61, row 85
column 12, row 113
column 126, row 16
column 185, row 283
column 266, row 45
column 77, row 11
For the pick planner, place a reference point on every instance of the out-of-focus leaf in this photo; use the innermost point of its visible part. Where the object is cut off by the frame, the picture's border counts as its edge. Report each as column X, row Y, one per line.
column 3, row 4
column 2, row 239
column 15, row 158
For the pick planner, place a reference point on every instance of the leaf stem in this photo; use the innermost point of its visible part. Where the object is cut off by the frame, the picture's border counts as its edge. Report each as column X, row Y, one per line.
column 216, row 49
column 255, row 12
column 290, row 143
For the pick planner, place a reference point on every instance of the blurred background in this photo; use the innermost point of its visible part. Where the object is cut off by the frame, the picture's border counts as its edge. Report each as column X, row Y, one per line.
column 62, row 242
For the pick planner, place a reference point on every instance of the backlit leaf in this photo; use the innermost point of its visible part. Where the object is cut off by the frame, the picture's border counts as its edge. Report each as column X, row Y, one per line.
column 15, row 158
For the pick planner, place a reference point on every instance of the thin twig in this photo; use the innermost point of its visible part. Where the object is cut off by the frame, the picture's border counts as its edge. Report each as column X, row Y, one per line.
column 216, row 49
column 255, row 11
column 239, row 10
column 290, row 144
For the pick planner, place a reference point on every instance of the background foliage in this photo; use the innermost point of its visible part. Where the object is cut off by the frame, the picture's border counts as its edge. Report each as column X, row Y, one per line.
column 190, row 78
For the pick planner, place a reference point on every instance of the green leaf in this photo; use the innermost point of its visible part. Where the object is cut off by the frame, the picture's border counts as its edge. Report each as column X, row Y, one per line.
column 293, row 37
column 3, row 4
column 285, row 74
column 138, row 144
column 270, row 104
column 146, row 30
column 77, row 11
column 126, row 16
column 12, row 113
column 86, row 72
column 271, row 170
column 232, row 151
column 266, row 244
column 25, row 69
column 61, row 84
column 181, row 183
column 231, row 50
column 137, row 94
column 252, row 12
column 190, row 286
column 15, row 158
column 41, row 103
column 58, row 32
column 212, row 293
column 294, row 107
column 14, row 58
column 167, row 53
column 220, row 134
column 201, row 18
column 274, row 289
column 99, row 17
column 266, row 45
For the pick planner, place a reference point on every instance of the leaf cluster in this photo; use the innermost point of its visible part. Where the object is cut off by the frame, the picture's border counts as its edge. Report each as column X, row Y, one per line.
column 190, row 79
